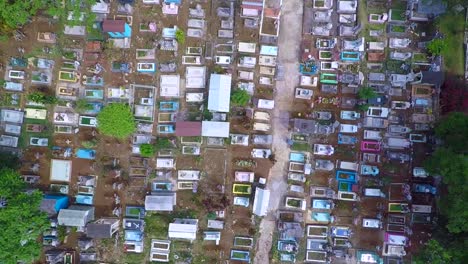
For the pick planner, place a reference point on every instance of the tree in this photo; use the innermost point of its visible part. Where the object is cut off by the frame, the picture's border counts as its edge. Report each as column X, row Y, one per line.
column 21, row 220
column 180, row 36
column 366, row 93
column 146, row 150
column 453, row 130
column 240, row 97
column 9, row 161
column 116, row 120
column 450, row 161
column 433, row 253
column 437, row 46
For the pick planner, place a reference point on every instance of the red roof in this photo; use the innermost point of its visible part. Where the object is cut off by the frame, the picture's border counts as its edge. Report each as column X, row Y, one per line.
column 188, row 129
column 113, row 26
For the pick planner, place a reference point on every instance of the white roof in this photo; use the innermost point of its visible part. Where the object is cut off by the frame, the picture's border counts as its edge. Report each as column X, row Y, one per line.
column 165, row 163
column 266, row 104
column 261, row 200
column 12, row 116
column 60, row 170
column 247, row 47
column 195, row 77
column 170, row 85
column 160, row 202
column 220, row 92
column 215, row 129
column 183, row 231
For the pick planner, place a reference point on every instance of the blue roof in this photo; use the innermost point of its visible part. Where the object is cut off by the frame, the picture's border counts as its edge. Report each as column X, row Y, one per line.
column 61, row 202
column 269, row 50
column 133, row 235
column 177, row 2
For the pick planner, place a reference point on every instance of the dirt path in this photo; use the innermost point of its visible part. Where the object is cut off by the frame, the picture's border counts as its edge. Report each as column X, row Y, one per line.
column 288, row 43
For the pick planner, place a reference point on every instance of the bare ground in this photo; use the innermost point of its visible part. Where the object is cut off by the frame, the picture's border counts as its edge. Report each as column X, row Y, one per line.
column 289, row 41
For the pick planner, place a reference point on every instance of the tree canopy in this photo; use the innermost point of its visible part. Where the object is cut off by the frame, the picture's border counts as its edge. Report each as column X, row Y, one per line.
column 116, row 120
column 21, row 220
column 450, row 161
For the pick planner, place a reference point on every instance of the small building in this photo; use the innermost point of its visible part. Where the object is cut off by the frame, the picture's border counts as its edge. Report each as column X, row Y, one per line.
column 215, row 129
column 188, row 129
column 261, row 201
column 251, row 9
column 76, row 215
column 11, row 116
column 103, row 228
column 422, row 11
column 219, row 96
column 116, row 28
column 183, row 229
column 60, row 170
column 52, row 204
column 170, row 85
column 195, row 77
column 160, row 201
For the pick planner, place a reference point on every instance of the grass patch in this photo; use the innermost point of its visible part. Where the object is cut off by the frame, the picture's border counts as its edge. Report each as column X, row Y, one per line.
column 420, row 57
column 23, row 140
column 452, row 26
column 398, row 14
column 300, row 146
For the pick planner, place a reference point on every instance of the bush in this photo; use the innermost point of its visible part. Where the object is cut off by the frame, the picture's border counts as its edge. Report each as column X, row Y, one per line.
column 437, row 46
column 180, row 36
column 362, row 107
column 83, row 105
column 41, row 98
column 162, row 143
column 89, row 144
column 116, row 120
column 146, row 150
column 240, row 97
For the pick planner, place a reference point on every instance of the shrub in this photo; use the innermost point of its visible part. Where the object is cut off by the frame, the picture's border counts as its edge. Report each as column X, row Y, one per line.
column 89, row 144
column 437, row 46
column 366, row 93
column 146, row 150
column 116, row 120
column 240, row 97
column 180, row 36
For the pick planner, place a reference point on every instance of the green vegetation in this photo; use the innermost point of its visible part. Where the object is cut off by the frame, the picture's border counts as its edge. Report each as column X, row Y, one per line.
column 116, row 120
column 437, row 46
column 162, row 143
column 452, row 26
column 82, row 105
column 180, row 36
column 89, row 144
column 300, row 146
column 8, row 161
column 450, row 161
column 362, row 107
column 147, row 150
column 366, row 93
column 398, row 14
column 22, row 222
column 240, row 97
column 41, row 98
